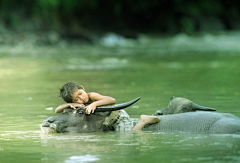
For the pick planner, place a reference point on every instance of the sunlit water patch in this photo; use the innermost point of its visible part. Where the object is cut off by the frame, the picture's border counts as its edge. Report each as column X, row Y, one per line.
column 81, row 159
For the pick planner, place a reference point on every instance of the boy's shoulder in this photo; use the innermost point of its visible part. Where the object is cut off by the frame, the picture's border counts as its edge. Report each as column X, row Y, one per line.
column 93, row 94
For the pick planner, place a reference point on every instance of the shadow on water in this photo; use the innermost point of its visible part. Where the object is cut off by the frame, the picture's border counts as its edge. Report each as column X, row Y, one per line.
column 202, row 69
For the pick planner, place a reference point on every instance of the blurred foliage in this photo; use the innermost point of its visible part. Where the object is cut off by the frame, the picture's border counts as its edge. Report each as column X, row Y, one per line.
column 121, row 15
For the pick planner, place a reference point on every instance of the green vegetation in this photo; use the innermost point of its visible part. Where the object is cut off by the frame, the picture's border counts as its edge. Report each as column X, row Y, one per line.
column 121, row 15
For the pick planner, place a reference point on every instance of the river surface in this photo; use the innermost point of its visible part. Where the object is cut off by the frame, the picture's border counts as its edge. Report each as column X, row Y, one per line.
column 204, row 69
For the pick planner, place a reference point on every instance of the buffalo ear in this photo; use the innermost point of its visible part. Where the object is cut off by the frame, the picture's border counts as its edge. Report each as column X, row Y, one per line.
column 201, row 108
column 106, row 113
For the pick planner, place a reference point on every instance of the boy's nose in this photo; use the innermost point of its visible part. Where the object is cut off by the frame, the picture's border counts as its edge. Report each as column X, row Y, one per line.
column 81, row 98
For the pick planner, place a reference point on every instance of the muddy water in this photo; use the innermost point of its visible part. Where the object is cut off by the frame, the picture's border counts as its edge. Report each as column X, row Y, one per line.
column 30, row 78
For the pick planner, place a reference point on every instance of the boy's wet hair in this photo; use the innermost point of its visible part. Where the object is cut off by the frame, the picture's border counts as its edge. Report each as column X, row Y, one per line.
column 67, row 90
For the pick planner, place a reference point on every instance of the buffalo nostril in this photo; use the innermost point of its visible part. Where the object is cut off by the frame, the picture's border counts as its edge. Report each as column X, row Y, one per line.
column 45, row 125
column 50, row 119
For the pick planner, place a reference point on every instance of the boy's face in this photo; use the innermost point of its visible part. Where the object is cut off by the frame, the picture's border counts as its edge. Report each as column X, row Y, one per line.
column 80, row 96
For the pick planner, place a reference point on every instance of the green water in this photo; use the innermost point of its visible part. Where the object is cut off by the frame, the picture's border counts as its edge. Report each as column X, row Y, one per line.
column 30, row 78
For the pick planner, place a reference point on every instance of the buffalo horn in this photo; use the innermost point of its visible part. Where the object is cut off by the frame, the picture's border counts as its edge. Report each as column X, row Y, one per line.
column 202, row 108
column 116, row 106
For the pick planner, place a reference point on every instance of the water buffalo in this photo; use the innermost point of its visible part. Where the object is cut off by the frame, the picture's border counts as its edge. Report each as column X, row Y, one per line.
column 77, row 121
column 185, row 118
column 181, row 105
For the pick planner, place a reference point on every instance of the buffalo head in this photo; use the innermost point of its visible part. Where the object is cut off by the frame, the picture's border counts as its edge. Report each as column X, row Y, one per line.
column 77, row 121
column 181, row 105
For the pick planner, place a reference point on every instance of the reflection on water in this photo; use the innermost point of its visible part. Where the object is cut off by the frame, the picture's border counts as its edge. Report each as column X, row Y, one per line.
column 120, row 147
column 156, row 69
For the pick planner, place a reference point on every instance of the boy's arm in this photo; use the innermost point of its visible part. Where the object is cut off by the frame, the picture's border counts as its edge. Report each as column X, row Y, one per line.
column 99, row 100
column 60, row 108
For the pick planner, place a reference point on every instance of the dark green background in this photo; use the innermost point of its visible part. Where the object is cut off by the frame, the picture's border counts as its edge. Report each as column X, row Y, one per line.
column 123, row 16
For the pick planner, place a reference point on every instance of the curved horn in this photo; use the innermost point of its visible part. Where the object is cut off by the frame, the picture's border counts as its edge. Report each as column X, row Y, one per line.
column 116, row 106
column 202, row 108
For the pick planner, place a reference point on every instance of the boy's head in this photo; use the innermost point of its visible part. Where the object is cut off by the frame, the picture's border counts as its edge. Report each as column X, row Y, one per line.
column 68, row 89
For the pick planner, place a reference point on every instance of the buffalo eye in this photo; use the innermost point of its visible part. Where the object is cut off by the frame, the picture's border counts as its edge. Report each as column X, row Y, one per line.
column 184, row 109
column 81, row 111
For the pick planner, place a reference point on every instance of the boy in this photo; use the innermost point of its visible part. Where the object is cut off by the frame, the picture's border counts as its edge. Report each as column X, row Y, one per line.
column 76, row 96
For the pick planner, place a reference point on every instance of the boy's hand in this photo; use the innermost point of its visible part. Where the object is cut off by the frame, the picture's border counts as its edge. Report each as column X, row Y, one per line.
column 90, row 108
column 76, row 105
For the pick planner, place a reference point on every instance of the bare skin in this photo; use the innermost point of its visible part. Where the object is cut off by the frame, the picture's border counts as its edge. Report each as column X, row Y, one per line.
column 80, row 97
column 144, row 120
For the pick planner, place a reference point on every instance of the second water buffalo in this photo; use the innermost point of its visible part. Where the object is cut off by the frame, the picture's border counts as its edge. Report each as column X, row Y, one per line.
column 198, row 122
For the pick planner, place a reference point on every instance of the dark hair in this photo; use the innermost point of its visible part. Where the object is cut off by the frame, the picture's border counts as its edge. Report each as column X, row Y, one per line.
column 67, row 90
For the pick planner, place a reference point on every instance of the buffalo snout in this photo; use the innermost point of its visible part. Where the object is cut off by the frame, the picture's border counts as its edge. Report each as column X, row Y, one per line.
column 158, row 113
column 47, row 122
